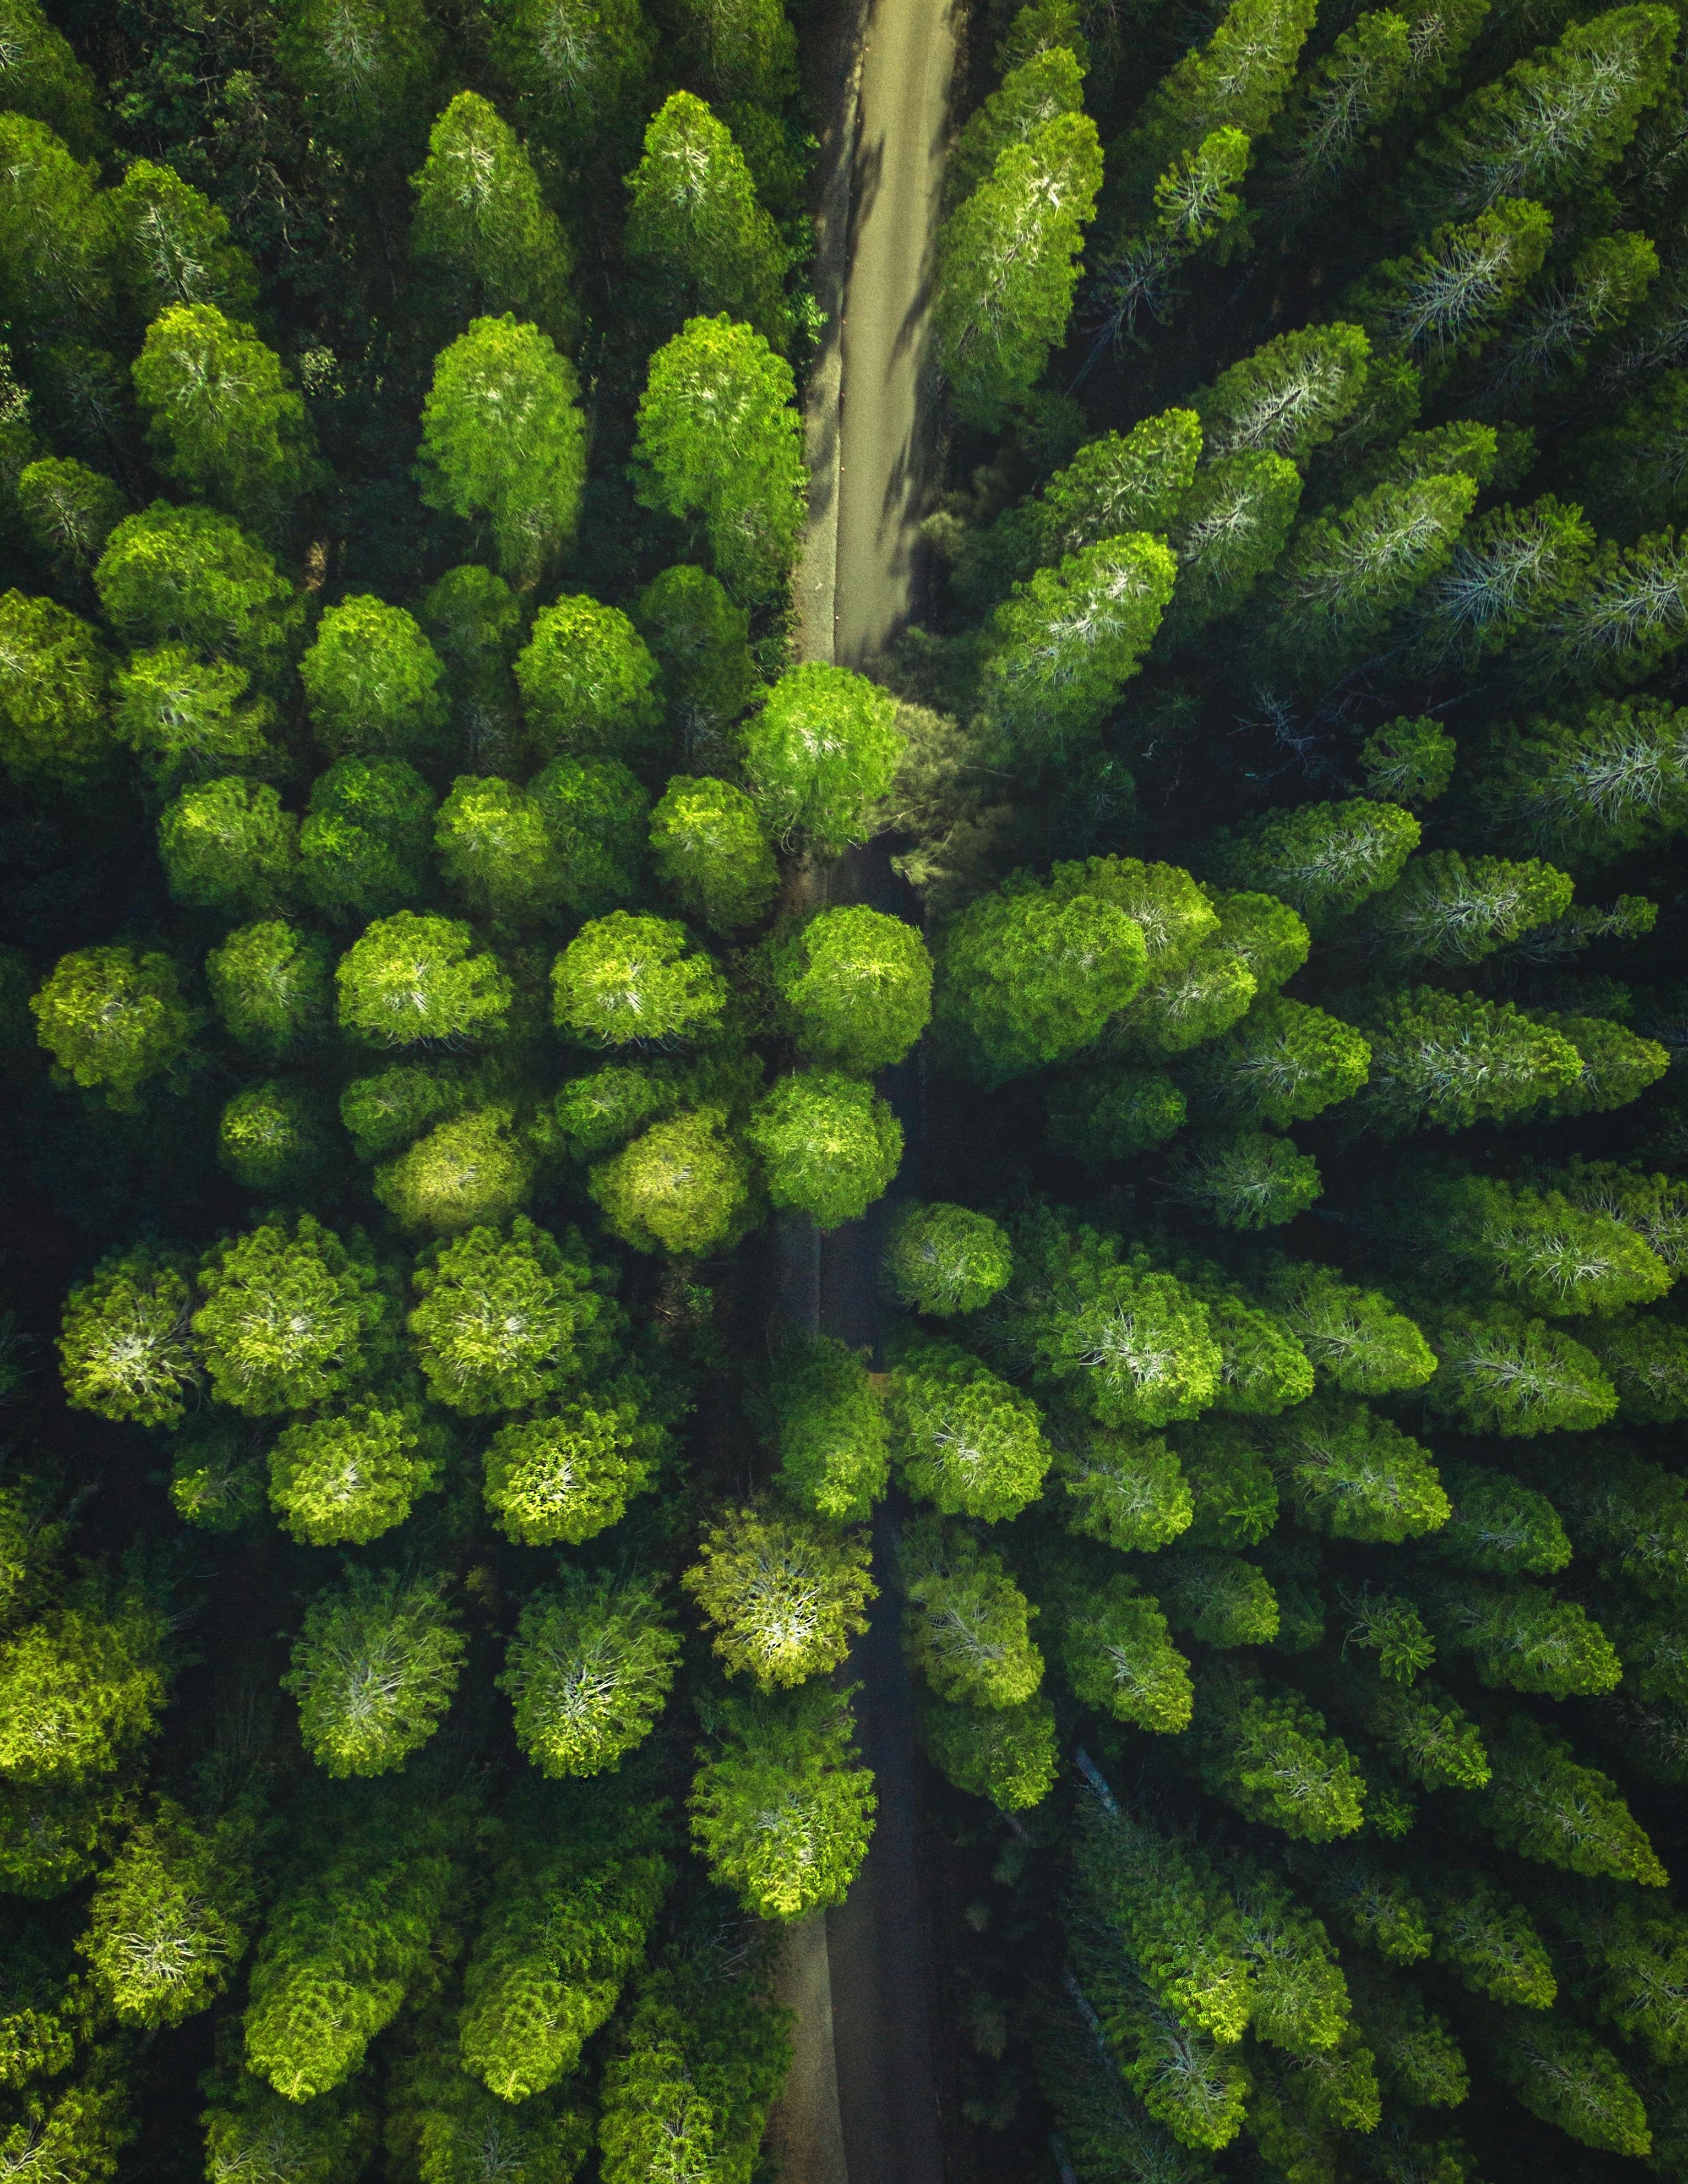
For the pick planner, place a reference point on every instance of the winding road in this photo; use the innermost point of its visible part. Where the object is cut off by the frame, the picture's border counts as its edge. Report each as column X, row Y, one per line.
column 861, row 2106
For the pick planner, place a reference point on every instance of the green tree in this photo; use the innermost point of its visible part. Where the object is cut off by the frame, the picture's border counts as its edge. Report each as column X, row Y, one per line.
column 1289, row 397
column 589, row 684
column 747, row 54
column 172, row 247
column 1448, row 910
column 192, row 576
column 170, row 1917
column 185, row 717
column 1499, row 1525
column 784, row 1594
column 1338, row 103
column 778, row 1810
column 1100, row 1116
column 1238, row 79
column 1447, row 1061
column 1133, row 1346
column 228, row 845
column 1565, row 2077
column 962, row 1438
column 409, row 979
column 273, row 1138
column 291, row 1316
column 82, row 1684
column 1247, row 1179
column 365, row 69
column 1522, row 1637
column 352, row 1933
column 42, row 78
column 1264, row 1751
column 505, row 1321
column 683, row 1186
column 1008, row 265
column 1412, row 760
column 694, row 223
column 859, row 986
column 1445, row 301
column 53, row 677
column 223, row 420
column 828, row 1145
column 1323, row 859
column 124, row 1344
column 1356, row 1341
column 699, row 639
column 388, row 1111
column 55, row 237
column 1231, row 526
column 1064, row 647
column 625, row 980
column 1284, row 1063
column 820, row 753
column 482, row 227
column 70, row 511
column 568, row 1475
column 111, row 1018
column 272, row 987
column 587, row 1673
column 719, row 440
column 1221, row 1600
column 475, row 622
column 1543, row 1804
column 1230, row 1489
column 597, row 815
column 363, row 846
column 580, row 71
column 495, row 850
column 830, row 1427
column 1501, row 1372
column 966, row 1625
column 371, row 681
column 504, row 442
column 373, row 1669
column 470, row 1170
column 1113, row 1646
column 1490, row 1942
column 1048, row 83
column 945, row 1259
column 708, row 850
column 351, row 1476
column 1009, row 1754
column 1125, row 1489
column 1350, row 1473
column 1539, row 1248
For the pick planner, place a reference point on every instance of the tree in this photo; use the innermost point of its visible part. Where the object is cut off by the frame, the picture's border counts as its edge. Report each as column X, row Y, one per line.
column 1498, row 1371
column 1549, row 1254
column 1064, row 647
column 747, row 54
column 171, row 1916
column 475, row 622
column 363, row 847
column 1553, row 124
column 503, row 1322
column 1131, row 1344
column 272, row 988
column 1221, row 1600
column 1350, row 1472
column 482, row 227
column 184, row 718
column 190, row 575
column 580, row 72
column 1323, row 859
column 568, row 1474
column 53, row 236
column 598, row 816
column 963, row 1439
column 1026, row 977
column 366, row 70
column 467, row 1171
column 778, row 1810
column 1265, row 1752
column 683, row 1186
column 966, row 1625
column 70, row 511
column 1231, row 526
column 83, row 1683
column 1490, row 1942
column 1112, row 1642
column 1522, row 1637
column 1048, row 83
column 223, row 421
column 1125, row 1489
column 700, row 640
column 946, row 1259
column 228, row 845
column 173, row 246
column 410, row 978
column 628, row 981
column 1447, row 1061
column 1445, row 301
column 125, row 1342
column 1228, row 1484
column 1446, row 909
column 1238, row 80
column 42, row 78
column 1355, row 1338
column 1499, row 1525
column 353, row 1475
column 1612, row 778
column 373, row 1669
column 111, row 1018
column 503, row 442
column 567, row 1926
column 719, row 440
column 1289, row 397
column 710, row 853
column 53, row 677
column 1247, row 1179
column 1008, row 266
column 1100, row 1116
column 1008, row 1754
column 820, row 753
column 351, row 1933
column 290, row 1316
column 273, row 1138
column 1544, row 1805
column 830, row 1429
column 1337, row 105
column 859, row 985
column 785, row 1594
column 371, row 681
column 588, row 683
column 587, row 1673
column 1346, row 576
column 495, row 850
column 1566, row 2077
column 1284, row 1063
column 828, row 1145
column 694, row 223
column 1120, row 483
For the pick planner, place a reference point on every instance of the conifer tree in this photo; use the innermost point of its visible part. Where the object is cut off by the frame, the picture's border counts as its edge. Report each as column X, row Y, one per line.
column 482, row 226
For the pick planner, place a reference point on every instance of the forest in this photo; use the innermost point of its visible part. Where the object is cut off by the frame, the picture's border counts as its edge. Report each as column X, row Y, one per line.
column 432, row 1553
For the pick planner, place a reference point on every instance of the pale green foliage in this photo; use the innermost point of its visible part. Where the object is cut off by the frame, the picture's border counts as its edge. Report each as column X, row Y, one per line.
column 967, row 1625
column 468, row 1170
column 503, row 442
column 495, row 850
column 273, row 1138
column 831, row 1430
column 946, row 1259
column 410, row 979
column 1451, row 1060
column 820, row 755
column 1324, row 859
column 595, row 811
column 1284, row 1063
column 505, row 1321
column 828, row 1145
column 710, row 853
column 272, row 986
column 125, row 1345
column 111, row 1018
column 290, row 1316
column 351, row 1476
column 696, row 224
column 628, row 981
column 963, row 1439
column 785, row 1594
column 82, row 1684
column 1133, row 1345
column 1112, row 1643
column 481, row 226
column 683, row 1186
column 1009, row 1754
column 1350, row 1473
column 1265, row 1753
column 699, row 639
column 373, row 1669
column 182, row 715
column 191, row 576
column 568, row 1474
column 779, row 1813
column 70, row 511
column 169, row 1919
column 363, row 848
column 228, row 845
column 173, row 246
column 1289, row 397
column 1355, row 1339
column 53, row 673
column 1501, row 1372
column 589, row 684
column 859, row 986
column 1128, row 1491
column 587, row 1673
column 372, row 681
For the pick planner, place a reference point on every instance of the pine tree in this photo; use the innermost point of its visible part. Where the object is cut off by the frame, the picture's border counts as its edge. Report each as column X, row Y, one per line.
column 568, row 1474
column 1355, row 1338
column 588, row 1672
column 1264, row 1750
column 963, row 1439
column 363, row 848
column 696, row 224
column 709, row 851
column 1545, row 1805
column 1289, row 397
column 482, row 227
column 1348, row 1472
column 112, row 1018
column 372, row 681
column 828, row 1145
column 966, row 1625
column 830, row 1427
column 291, row 1315
column 683, row 1186
column 785, row 1594
column 820, row 755
column 1233, row 527
column 1324, row 859
column 351, row 1476
column 779, row 1810
column 1445, row 301
column 1447, row 1060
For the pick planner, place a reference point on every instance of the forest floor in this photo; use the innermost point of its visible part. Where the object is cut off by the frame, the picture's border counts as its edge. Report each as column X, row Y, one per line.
column 862, row 2104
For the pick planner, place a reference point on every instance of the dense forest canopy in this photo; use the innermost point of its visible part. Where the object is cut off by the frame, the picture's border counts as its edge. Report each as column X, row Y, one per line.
column 431, row 1546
